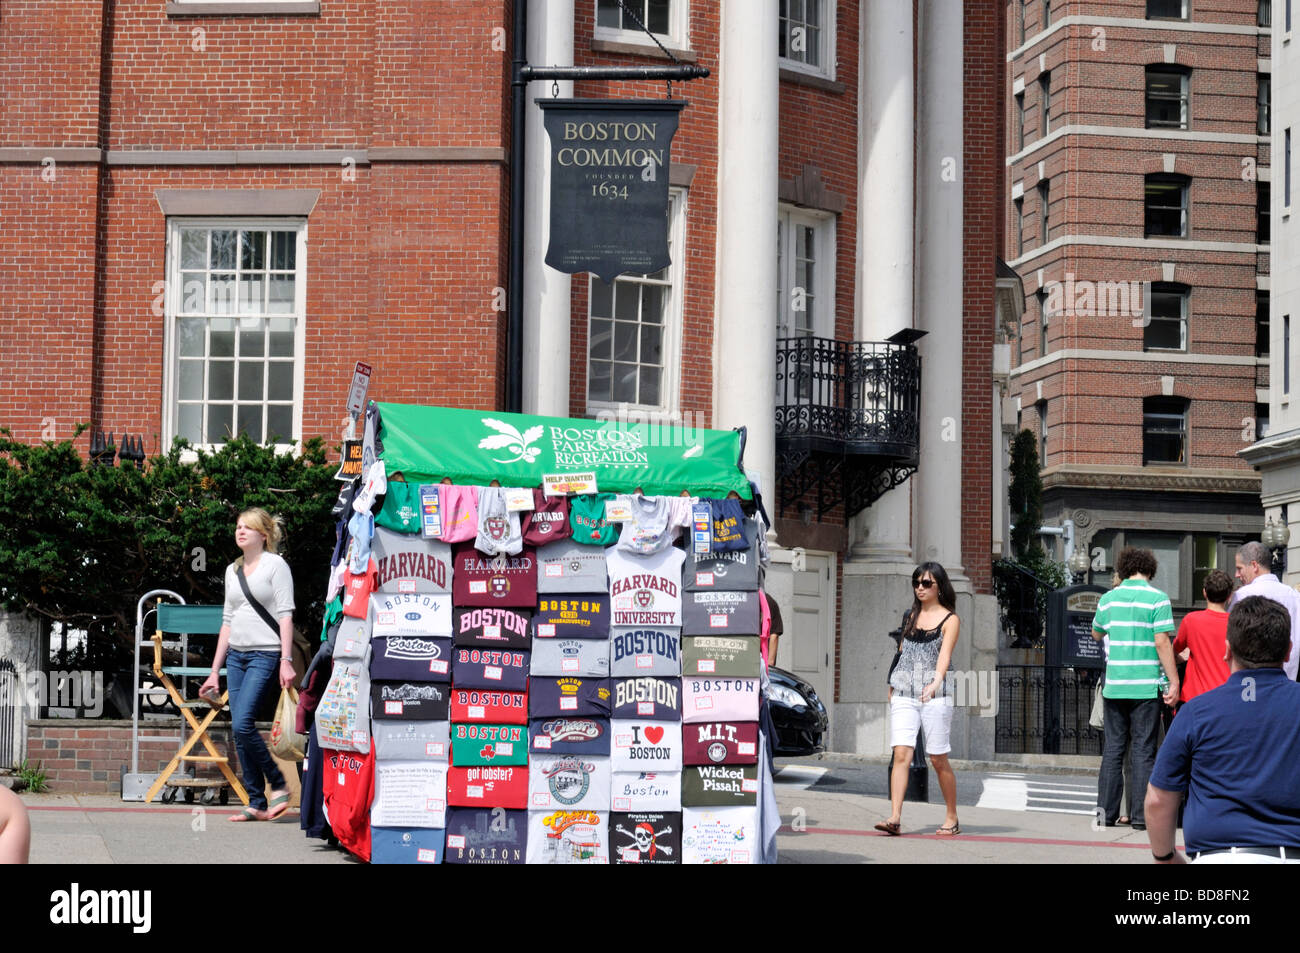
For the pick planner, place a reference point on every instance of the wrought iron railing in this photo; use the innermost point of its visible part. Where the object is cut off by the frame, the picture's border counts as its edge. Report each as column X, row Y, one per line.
column 1045, row 710
column 856, row 397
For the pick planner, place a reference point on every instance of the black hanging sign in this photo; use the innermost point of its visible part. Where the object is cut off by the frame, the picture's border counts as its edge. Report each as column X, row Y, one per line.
column 609, row 184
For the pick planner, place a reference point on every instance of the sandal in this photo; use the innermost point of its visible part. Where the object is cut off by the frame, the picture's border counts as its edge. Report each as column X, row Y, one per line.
column 278, row 805
column 892, row 828
column 248, row 814
column 1124, row 820
column 949, row 831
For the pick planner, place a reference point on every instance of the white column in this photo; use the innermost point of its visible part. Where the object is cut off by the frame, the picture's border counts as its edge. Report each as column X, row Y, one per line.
column 745, row 316
column 884, row 299
column 939, row 292
column 546, row 291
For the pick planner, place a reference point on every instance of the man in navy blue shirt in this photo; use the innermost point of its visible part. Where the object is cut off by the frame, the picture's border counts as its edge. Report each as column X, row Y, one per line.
column 1235, row 751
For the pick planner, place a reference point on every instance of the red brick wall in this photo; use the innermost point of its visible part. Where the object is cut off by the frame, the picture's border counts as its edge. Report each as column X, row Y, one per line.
column 80, row 757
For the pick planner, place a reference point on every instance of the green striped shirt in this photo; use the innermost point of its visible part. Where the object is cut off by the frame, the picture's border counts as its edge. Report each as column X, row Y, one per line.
column 1131, row 614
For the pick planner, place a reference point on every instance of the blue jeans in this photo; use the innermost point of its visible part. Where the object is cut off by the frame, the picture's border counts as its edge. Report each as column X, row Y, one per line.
column 247, row 676
column 1127, row 721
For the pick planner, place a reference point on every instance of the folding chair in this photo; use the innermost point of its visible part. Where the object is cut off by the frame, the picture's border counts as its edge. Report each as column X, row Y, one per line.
column 193, row 620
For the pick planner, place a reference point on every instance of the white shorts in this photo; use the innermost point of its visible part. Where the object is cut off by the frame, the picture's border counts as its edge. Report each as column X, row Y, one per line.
column 906, row 715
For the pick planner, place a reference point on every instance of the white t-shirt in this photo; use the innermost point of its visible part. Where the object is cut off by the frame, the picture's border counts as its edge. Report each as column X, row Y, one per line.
column 271, row 584
column 655, row 524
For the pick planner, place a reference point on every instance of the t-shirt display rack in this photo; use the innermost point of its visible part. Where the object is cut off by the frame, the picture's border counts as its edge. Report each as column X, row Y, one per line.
column 529, row 678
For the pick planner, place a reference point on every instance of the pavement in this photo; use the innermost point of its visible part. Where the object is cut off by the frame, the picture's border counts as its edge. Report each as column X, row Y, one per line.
column 1009, row 814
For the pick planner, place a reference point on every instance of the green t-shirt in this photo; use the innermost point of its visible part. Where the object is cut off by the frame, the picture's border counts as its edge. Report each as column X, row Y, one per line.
column 401, row 509
column 1131, row 615
column 587, row 517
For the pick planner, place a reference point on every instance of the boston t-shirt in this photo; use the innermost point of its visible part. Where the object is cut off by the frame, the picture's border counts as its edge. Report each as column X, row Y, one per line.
column 492, row 626
column 562, row 734
column 490, row 668
column 412, row 740
column 572, row 617
column 569, row 695
column 648, row 696
column 486, row 836
column 557, row 657
column 489, row 705
column 408, row 700
column 645, row 650
column 646, row 745
column 410, row 658
column 587, row 517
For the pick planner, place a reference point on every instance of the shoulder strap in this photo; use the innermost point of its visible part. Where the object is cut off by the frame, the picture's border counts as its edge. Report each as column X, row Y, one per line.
column 945, row 619
column 257, row 606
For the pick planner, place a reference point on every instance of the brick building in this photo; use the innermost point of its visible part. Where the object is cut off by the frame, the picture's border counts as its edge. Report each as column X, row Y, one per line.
column 1138, row 218
column 214, row 208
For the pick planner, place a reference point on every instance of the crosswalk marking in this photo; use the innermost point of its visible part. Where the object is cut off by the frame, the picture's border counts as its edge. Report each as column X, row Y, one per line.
column 1016, row 792
column 798, row 776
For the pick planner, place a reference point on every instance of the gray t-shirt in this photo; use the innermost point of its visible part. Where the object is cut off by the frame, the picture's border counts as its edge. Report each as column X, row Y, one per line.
column 272, row 585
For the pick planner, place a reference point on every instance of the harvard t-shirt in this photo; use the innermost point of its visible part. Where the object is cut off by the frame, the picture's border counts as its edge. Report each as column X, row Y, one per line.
column 645, row 590
column 479, row 580
column 548, row 520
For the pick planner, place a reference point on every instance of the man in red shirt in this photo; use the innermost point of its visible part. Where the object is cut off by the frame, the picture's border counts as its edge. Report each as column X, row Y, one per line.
column 1203, row 636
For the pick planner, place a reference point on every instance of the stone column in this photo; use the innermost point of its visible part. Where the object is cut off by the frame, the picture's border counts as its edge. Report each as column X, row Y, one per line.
column 745, row 321
column 546, row 291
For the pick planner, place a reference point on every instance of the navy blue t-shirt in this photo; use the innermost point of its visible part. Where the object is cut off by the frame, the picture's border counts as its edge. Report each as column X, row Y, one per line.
column 1236, row 752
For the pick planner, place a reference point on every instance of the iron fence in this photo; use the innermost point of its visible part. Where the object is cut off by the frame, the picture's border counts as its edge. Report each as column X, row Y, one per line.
column 11, row 722
column 1045, row 710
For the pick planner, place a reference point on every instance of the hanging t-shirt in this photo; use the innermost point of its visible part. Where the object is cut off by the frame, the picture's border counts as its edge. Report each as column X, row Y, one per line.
column 401, row 509
column 568, row 782
column 568, row 837
column 728, row 525
column 347, row 787
column 410, row 658
column 459, row 512
column 569, row 566
column 733, row 655
column 548, row 520
column 645, row 745
column 498, row 527
column 343, row 715
column 352, row 640
column 645, row 838
column 488, row 744
column 645, row 650
column 410, row 794
column 411, row 563
column 406, row 845
column 720, row 613
column 489, row 705
column 412, row 740
column 479, row 580
column 411, row 613
column 374, row 484
column 492, row 626
column 656, row 522
column 491, row 668
column 410, row 701
column 645, row 590
column 572, row 617
column 647, row 696
column 589, row 657
column 734, row 570
column 496, row 785
column 486, row 836
column 720, row 785
column 645, row 790
column 587, row 517
column 361, row 527
column 357, row 589
column 569, row 695
column 720, row 742
column 719, row 699
column 721, row 835
column 567, row 735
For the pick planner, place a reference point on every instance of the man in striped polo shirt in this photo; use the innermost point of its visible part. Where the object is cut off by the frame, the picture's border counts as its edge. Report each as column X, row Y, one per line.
column 1136, row 620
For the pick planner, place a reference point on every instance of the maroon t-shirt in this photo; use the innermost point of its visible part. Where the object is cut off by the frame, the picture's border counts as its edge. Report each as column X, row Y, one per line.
column 479, row 580
column 548, row 521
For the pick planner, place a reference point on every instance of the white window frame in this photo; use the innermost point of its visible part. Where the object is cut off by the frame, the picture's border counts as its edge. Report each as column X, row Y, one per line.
column 825, row 47
column 173, row 302
column 823, row 290
column 670, row 343
column 677, row 38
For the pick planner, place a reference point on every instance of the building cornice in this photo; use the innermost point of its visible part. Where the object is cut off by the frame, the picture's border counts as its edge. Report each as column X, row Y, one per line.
column 1163, row 479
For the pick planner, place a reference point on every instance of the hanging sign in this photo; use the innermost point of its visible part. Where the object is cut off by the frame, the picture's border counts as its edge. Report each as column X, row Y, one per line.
column 609, row 184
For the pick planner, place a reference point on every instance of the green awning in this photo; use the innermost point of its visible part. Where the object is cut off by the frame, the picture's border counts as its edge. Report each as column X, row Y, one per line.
column 475, row 447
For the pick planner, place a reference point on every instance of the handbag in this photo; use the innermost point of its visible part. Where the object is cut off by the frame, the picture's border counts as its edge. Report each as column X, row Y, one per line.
column 286, row 743
column 1095, row 718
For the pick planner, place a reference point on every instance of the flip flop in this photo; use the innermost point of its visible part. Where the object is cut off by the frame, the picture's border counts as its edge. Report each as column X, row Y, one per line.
column 892, row 828
column 1124, row 821
column 949, row 831
column 278, row 805
column 247, row 814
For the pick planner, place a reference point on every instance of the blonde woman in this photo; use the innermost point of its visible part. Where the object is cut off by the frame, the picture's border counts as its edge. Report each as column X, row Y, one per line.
column 255, row 643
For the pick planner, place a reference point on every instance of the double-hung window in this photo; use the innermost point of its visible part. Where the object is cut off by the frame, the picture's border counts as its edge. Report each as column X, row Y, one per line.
column 634, row 331
column 1166, row 326
column 807, row 36
column 666, row 19
column 1167, row 97
column 236, row 294
column 1166, row 205
column 1164, row 430
column 805, row 297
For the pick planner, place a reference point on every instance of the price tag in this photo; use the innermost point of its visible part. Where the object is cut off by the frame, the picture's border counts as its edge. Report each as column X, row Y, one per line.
column 456, row 841
column 570, row 665
column 406, row 585
column 546, row 630
column 631, row 855
column 749, row 785
column 622, row 741
column 622, row 804
column 645, row 661
column 706, row 665
column 491, row 631
column 554, row 570
column 568, row 704
column 744, row 747
column 703, row 703
column 704, row 578
column 392, row 708
column 434, row 749
column 617, row 511
column 478, row 587
column 435, row 804
column 518, row 499
column 718, row 620
column 492, row 672
column 475, row 711
column 426, row 856
column 645, row 708
column 542, row 742
column 541, row 799
column 740, row 856
column 474, row 791
column 505, row 748
column 439, row 666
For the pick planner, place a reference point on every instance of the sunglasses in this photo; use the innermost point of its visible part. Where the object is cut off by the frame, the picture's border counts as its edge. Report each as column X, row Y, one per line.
column 923, row 584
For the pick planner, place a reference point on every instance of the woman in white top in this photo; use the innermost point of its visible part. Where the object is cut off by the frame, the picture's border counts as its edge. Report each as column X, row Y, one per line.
column 256, row 647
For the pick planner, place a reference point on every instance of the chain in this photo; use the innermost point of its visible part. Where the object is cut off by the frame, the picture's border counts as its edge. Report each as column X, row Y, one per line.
column 637, row 20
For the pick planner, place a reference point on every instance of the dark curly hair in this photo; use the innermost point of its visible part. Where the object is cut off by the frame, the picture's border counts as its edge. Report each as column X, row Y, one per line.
column 1132, row 559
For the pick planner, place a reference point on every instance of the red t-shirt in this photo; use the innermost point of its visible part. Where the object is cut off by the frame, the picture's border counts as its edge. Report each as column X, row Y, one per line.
column 1205, row 633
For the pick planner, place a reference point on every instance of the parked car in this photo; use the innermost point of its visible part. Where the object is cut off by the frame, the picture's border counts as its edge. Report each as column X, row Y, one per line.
column 798, row 714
